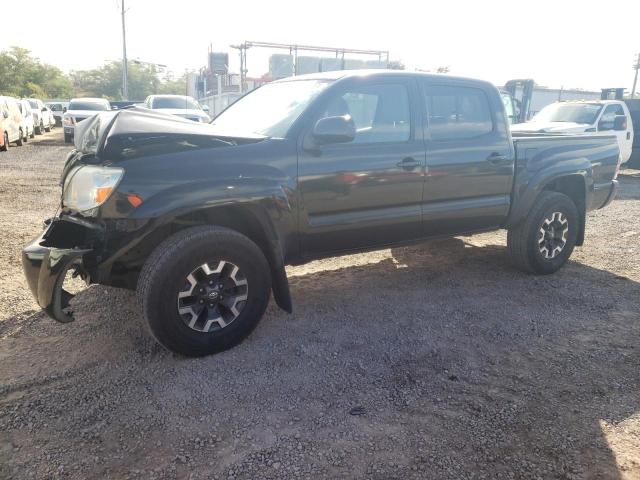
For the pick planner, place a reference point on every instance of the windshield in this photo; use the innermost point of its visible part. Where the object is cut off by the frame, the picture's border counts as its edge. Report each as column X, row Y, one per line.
column 175, row 102
column 569, row 112
column 56, row 107
column 271, row 110
column 80, row 105
column 33, row 103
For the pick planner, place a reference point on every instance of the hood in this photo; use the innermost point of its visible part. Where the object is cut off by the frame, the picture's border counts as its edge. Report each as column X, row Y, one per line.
column 83, row 113
column 550, row 127
column 134, row 132
column 184, row 112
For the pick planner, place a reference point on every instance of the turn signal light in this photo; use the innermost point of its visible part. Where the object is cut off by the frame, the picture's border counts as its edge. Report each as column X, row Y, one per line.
column 134, row 200
column 102, row 193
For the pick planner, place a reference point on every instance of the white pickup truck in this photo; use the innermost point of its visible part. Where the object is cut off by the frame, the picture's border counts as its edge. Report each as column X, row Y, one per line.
column 591, row 117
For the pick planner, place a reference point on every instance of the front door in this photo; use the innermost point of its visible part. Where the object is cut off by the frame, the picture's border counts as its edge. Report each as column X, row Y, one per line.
column 470, row 162
column 366, row 192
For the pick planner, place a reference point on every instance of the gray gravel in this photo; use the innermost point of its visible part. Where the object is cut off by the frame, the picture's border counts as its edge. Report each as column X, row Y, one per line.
column 434, row 361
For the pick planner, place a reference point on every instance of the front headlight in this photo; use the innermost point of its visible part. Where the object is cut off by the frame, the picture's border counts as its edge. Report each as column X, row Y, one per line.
column 88, row 187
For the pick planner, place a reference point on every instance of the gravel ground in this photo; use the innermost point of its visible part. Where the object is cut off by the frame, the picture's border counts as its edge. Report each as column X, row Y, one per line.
column 434, row 361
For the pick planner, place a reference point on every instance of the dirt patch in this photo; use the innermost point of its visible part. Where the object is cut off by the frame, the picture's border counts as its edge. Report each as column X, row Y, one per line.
column 433, row 361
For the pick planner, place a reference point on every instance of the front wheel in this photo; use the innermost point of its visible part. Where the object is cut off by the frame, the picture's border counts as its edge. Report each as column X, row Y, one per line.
column 20, row 140
column 32, row 134
column 204, row 289
column 5, row 144
column 544, row 241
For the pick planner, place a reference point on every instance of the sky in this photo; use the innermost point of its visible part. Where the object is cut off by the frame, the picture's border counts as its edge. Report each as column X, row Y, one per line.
column 568, row 43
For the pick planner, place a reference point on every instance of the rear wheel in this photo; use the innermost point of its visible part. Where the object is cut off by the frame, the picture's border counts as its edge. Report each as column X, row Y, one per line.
column 47, row 128
column 5, row 143
column 203, row 290
column 32, row 134
column 544, row 241
column 40, row 128
column 20, row 138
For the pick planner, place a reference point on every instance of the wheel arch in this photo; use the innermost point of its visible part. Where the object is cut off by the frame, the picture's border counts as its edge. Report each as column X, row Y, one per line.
column 249, row 219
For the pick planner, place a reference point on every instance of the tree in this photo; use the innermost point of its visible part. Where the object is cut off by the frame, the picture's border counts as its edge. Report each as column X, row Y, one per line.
column 143, row 80
column 22, row 75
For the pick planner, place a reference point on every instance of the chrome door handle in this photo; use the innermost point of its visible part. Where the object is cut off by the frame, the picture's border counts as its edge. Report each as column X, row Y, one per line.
column 408, row 163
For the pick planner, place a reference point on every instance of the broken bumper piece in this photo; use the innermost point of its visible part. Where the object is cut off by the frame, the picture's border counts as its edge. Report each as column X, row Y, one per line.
column 45, row 267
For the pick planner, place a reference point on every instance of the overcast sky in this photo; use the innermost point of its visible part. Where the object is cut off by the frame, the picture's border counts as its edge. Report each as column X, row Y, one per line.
column 566, row 43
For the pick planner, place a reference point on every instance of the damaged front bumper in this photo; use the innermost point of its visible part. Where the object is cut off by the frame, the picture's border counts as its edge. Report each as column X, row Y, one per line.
column 48, row 258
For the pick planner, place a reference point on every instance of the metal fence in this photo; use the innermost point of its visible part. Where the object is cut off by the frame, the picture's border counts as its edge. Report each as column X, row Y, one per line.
column 217, row 103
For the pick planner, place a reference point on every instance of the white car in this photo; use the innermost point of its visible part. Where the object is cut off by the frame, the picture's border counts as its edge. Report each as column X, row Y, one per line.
column 26, row 125
column 43, row 118
column 592, row 117
column 10, row 121
column 180, row 105
column 80, row 109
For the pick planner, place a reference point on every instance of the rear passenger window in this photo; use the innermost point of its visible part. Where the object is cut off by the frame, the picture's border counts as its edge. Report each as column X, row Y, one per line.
column 456, row 113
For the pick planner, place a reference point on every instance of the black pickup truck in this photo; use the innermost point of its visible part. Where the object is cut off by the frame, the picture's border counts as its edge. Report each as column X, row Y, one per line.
column 201, row 219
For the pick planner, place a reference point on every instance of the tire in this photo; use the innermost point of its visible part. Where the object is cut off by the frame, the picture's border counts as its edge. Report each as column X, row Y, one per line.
column 67, row 138
column 182, row 256
column 528, row 246
column 47, row 128
column 32, row 134
column 40, row 128
column 20, row 140
column 5, row 144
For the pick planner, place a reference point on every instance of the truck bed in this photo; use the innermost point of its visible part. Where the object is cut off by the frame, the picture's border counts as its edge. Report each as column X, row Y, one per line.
column 593, row 157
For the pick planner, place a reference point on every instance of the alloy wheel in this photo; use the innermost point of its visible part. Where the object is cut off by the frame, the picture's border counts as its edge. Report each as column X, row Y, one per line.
column 552, row 236
column 212, row 298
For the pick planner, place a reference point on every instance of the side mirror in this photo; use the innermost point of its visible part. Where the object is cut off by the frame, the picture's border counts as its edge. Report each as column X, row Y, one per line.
column 620, row 123
column 44, row 109
column 5, row 114
column 334, row 130
column 205, row 108
column 64, row 109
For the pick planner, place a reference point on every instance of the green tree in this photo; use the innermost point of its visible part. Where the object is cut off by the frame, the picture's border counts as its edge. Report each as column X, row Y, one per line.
column 143, row 80
column 22, row 75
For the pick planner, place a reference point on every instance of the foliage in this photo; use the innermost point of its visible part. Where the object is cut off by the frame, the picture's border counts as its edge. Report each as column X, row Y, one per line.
column 22, row 75
column 143, row 80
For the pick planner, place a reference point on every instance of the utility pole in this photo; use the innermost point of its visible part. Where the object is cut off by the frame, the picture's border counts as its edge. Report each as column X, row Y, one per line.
column 125, row 86
column 636, row 67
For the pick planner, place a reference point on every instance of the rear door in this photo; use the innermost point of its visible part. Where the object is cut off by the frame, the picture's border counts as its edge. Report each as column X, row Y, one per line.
column 470, row 160
column 367, row 192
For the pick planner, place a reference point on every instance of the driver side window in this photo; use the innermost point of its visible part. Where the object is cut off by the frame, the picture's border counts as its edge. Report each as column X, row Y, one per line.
column 608, row 117
column 381, row 113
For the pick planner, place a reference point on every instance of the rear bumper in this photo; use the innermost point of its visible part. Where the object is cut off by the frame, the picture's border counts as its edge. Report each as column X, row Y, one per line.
column 45, row 268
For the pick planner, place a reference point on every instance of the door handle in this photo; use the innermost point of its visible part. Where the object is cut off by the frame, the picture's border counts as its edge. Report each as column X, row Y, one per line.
column 498, row 159
column 408, row 163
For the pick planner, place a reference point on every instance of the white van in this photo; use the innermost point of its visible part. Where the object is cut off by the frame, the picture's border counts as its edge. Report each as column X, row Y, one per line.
column 26, row 125
column 10, row 120
column 592, row 117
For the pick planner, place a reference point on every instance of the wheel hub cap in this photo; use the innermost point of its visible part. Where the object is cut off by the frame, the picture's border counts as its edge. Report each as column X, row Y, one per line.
column 212, row 298
column 552, row 236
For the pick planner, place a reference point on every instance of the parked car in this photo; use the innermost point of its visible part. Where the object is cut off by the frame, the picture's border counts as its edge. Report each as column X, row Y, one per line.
column 179, row 105
column 26, row 124
column 42, row 117
column 80, row 109
column 57, row 109
column 11, row 122
column 608, row 116
column 201, row 219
